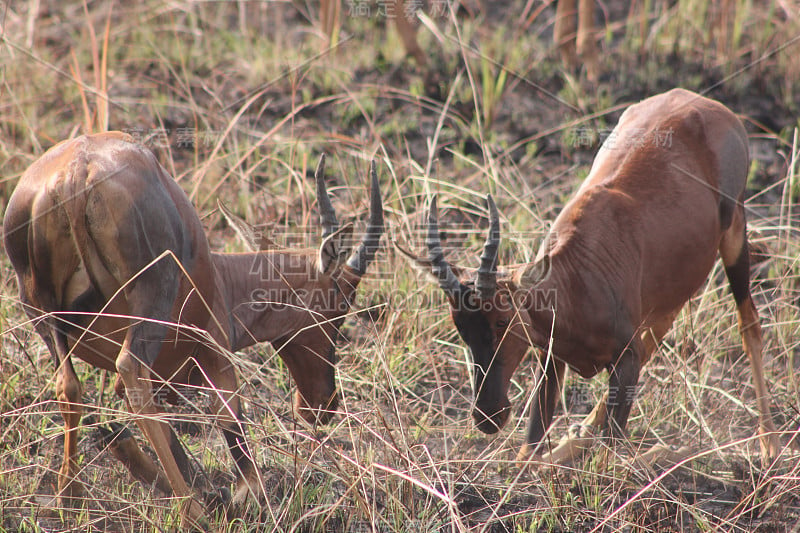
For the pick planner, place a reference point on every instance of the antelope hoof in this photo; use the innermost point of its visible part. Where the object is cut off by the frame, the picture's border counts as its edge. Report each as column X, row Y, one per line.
column 320, row 415
column 533, row 461
column 770, row 445
column 526, row 458
column 194, row 517
column 71, row 494
column 218, row 502
column 244, row 489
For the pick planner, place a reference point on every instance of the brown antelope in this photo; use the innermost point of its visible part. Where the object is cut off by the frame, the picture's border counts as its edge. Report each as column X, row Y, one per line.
column 402, row 13
column 575, row 38
column 576, row 42
column 114, row 267
column 664, row 194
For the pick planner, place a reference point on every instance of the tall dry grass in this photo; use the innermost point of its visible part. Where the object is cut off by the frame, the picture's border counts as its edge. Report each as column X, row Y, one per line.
column 237, row 101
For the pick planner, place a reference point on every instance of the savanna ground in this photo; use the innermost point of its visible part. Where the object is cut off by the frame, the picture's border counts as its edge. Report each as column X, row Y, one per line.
column 238, row 99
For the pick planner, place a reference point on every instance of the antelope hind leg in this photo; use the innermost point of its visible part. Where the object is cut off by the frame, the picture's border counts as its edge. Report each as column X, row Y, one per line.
column 736, row 259
column 581, row 437
column 661, row 457
column 68, row 391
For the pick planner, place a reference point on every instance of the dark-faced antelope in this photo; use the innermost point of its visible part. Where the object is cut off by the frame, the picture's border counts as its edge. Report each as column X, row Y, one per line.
column 664, row 195
column 114, row 267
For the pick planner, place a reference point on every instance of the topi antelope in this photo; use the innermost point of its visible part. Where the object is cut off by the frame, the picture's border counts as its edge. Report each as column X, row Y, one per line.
column 635, row 243
column 573, row 41
column 114, row 267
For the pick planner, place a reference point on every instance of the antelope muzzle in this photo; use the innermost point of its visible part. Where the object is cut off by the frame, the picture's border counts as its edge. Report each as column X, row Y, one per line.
column 320, row 411
column 491, row 416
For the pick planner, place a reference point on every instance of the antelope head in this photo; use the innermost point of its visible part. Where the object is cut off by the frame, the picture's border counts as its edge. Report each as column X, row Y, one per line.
column 491, row 313
column 298, row 299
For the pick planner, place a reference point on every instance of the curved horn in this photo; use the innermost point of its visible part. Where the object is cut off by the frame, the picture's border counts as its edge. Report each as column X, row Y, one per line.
column 365, row 252
column 327, row 216
column 487, row 272
column 441, row 269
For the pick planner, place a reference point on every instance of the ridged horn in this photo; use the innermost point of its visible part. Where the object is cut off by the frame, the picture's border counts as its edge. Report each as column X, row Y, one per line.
column 327, row 216
column 365, row 253
column 486, row 284
column 441, row 269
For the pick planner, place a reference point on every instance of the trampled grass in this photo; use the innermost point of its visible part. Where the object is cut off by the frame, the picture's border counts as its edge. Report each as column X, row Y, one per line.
column 238, row 102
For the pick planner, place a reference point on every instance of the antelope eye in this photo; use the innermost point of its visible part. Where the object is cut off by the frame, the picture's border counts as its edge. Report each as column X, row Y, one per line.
column 502, row 323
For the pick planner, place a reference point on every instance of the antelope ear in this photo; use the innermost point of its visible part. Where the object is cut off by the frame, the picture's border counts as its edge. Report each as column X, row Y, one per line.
column 419, row 262
column 253, row 238
column 534, row 272
column 423, row 264
column 244, row 230
column 335, row 249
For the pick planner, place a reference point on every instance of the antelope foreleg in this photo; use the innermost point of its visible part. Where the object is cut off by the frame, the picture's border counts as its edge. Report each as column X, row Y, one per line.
column 404, row 22
column 622, row 381
column 122, row 444
column 564, row 31
column 550, row 380
column 248, row 480
column 586, row 44
column 226, row 407
column 120, row 441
